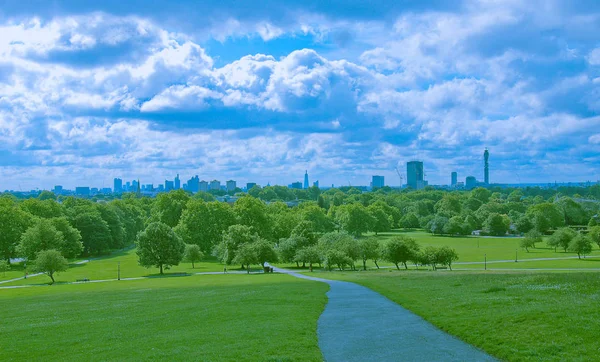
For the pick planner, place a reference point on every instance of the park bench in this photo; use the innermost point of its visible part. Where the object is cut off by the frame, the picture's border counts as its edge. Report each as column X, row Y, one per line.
column 441, row 267
column 83, row 280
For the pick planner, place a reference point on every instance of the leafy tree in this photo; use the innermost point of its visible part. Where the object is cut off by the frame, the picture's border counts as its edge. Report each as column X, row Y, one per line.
column 309, row 254
column 448, row 206
column 336, row 257
column 4, row 267
column 351, row 249
column 437, row 224
column 594, row 234
column 306, row 230
column 317, row 216
column 400, row 249
column 252, row 212
column 496, row 224
column 410, row 221
column 110, row 215
column 524, row 224
column 168, row 207
column 481, row 194
column 289, row 247
column 455, row 226
column 545, row 216
column 13, row 223
column 192, row 254
column 46, row 195
column 159, row 246
column 531, row 238
column 265, row 252
column 381, row 221
column 50, row 262
column 233, row 239
column 369, row 249
column 41, row 236
column 573, row 212
column 429, row 256
column 561, row 238
column 42, row 208
column 203, row 223
column 283, row 220
column 581, row 245
column 95, row 233
column 246, row 255
column 354, row 219
column 445, row 255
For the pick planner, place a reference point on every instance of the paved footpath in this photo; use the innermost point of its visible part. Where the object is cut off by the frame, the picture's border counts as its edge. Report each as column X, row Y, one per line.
column 359, row 324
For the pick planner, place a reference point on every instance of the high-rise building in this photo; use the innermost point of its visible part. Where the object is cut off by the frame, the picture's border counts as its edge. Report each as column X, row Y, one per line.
column 454, row 179
column 231, row 185
column 306, row 179
column 486, row 167
column 82, row 191
column 58, row 190
column 250, row 185
column 378, row 182
column 203, row 186
column 177, row 184
column 316, row 184
column 414, row 175
column 470, row 182
column 169, row 185
column 215, row 185
column 192, row 184
column 296, row 185
column 118, row 185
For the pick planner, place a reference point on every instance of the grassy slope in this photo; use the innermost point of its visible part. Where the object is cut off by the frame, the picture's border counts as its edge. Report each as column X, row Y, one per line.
column 516, row 317
column 216, row 318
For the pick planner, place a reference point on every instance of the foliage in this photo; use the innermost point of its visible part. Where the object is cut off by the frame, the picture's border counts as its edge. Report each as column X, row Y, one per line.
column 399, row 250
column 159, row 246
column 252, row 212
column 41, row 236
column 531, row 238
column 561, row 238
column 203, row 223
column 13, row 223
column 369, row 249
column 50, row 262
column 192, row 254
column 95, row 233
column 309, row 254
column 496, row 224
column 580, row 244
column 4, row 266
column 594, row 234
column 233, row 239
column 168, row 207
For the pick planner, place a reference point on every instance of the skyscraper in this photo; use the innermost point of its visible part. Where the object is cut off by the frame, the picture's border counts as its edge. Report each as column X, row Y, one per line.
column 215, row 185
column 203, row 186
column 250, row 185
column 486, row 167
column 378, row 182
column 192, row 184
column 470, row 182
column 118, row 185
column 306, row 179
column 231, row 185
column 454, row 179
column 177, row 183
column 414, row 175
column 168, row 185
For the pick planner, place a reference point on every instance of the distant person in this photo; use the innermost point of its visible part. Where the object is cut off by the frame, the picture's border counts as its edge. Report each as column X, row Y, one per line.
column 224, row 270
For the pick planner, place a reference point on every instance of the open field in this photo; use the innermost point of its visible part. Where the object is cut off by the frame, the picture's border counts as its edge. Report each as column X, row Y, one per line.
column 107, row 268
column 514, row 316
column 216, row 318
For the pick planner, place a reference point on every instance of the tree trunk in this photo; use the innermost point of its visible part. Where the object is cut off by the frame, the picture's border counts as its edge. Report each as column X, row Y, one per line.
column 526, row 249
column 51, row 275
column 192, row 265
column 248, row 269
column 397, row 267
column 297, row 265
column 161, row 269
column 579, row 255
column 377, row 265
column 304, row 264
column 405, row 266
column 364, row 264
column 450, row 266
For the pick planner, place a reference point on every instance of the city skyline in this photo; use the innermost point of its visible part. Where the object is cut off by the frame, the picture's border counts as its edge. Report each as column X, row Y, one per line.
column 262, row 93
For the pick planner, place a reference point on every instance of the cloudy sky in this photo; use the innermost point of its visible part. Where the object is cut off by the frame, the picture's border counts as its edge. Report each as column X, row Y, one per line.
column 261, row 91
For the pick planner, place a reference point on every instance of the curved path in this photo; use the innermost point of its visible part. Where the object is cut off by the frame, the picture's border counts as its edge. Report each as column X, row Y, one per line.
column 359, row 324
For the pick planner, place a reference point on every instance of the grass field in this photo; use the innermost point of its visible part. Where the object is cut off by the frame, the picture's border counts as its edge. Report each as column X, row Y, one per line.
column 107, row 268
column 514, row 316
column 214, row 318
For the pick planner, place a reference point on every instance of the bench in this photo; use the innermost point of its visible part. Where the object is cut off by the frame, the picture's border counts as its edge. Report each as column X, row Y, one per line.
column 441, row 267
column 83, row 280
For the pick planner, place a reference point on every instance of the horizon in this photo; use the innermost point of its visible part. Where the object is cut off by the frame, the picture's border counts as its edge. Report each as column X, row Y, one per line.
column 262, row 92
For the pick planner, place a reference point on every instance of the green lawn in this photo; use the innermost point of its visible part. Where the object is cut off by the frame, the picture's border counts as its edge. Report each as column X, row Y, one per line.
column 515, row 317
column 107, row 268
column 213, row 318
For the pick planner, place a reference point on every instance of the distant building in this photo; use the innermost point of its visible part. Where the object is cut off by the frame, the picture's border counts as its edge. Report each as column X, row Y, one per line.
column 296, row 185
column 118, row 185
column 203, row 186
column 128, row 186
column 58, row 190
column 169, row 185
column 82, row 191
column 148, row 187
column 414, row 173
column 250, row 185
column 306, row 179
column 192, row 184
column 231, row 185
column 106, row 190
column 378, row 182
column 486, row 167
column 161, row 188
column 94, row 191
column 470, row 182
column 215, row 185
column 454, row 179
column 316, row 184
column 177, row 184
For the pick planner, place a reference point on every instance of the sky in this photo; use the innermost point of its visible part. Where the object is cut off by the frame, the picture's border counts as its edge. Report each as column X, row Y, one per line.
column 262, row 91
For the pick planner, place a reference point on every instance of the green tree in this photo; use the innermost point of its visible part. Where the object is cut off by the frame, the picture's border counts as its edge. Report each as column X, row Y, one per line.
column 545, row 216
column 110, row 215
column 594, row 234
column 531, row 238
column 399, row 250
column 159, row 246
column 581, row 245
column 4, row 267
column 410, row 221
column 455, row 226
column 46, row 195
column 561, row 238
column 265, row 252
column 317, row 216
column 437, row 224
column 95, row 233
column 252, row 212
column 309, row 254
column 381, row 221
column 42, row 208
column 246, row 255
column 334, row 257
column 50, row 262
column 481, row 194
column 192, row 254
column 203, row 223
column 496, row 224
column 354, row 219
column 445, row 255
column 369, row 249
column 13, row 223
column 448, row 206
column 168, row 207
column 233, row 239
column 42, row 235
column 288, row 248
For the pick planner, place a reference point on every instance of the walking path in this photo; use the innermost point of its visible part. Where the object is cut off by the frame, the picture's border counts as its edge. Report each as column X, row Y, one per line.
column 359, row 324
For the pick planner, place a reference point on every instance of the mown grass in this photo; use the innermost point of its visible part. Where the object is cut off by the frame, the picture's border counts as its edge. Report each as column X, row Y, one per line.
column 515, row 317
column 107, row 268
column 196, row 318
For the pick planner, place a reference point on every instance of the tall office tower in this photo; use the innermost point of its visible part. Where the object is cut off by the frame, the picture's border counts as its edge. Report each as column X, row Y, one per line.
column 250, row 185
column 193, row 184
column 486, row 167
column 231, row 185
column 470, row 182
column 203, row 186
column 118, row 185
column 306, row 179
column 454, row 179
column 168, row 185
column 177, row 183
column 378, row 182
column 414, row 175
column 215, row 185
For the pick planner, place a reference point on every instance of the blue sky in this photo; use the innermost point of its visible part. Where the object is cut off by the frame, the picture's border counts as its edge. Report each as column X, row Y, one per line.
column 261, row 91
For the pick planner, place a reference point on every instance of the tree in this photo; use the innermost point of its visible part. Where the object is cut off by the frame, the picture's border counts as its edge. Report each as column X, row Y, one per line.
column 233, row 239
column 354, row 219
column 448, row 206
column 203, row 223
column 562, row 238
column 496, row 224
column 265, row 252
column 252, row 212
column 168, row 207
column 400, row 249
column 41, row 236
column 4, row 267
column 50, row 262
column 369, row 249
column 545, row 216
column 381, row 220
column 246, row 255
column 481, row 194
column 309, row 254
column 455, row 226
column 159, row 246
column 192, row 254
column 446, row 256
column 429, row 256
column 335, row 257
column 289, row 247
column 13, row 223
column 410, row 221
column 436, row 225
column 95, row 233
column 72, row 246
column 42, row 208
column 531, row 238
column 581, row 245
column 109, row 214
column 594, row 234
